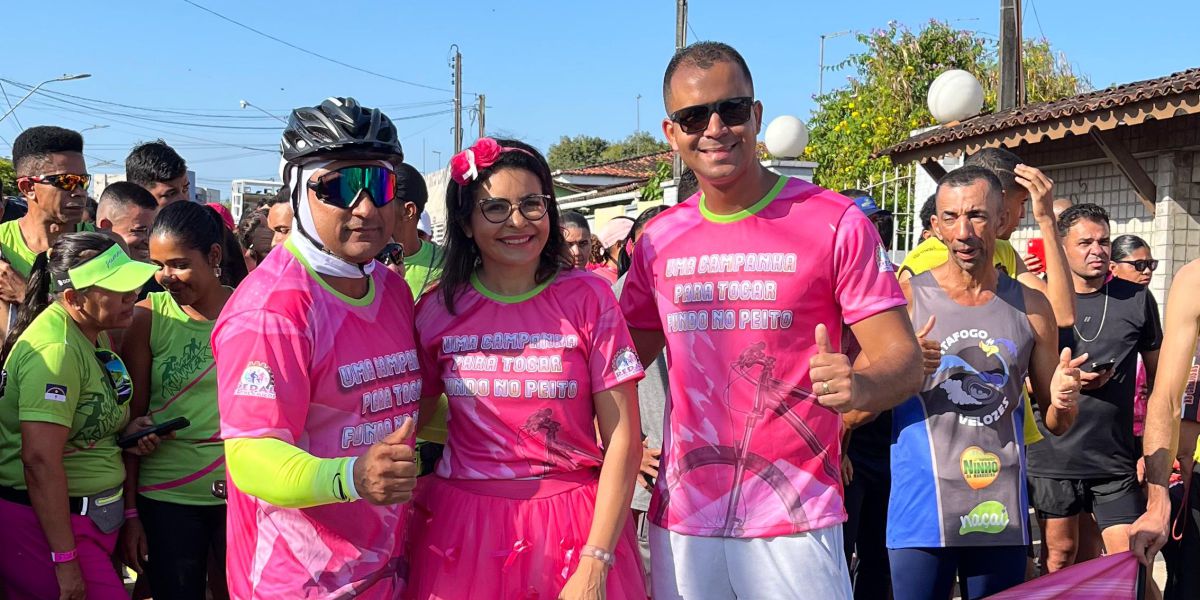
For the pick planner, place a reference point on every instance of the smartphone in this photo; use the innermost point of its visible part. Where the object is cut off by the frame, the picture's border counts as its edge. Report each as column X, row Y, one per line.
column 1037, row 247
column 163, row 428
column 1100, row 367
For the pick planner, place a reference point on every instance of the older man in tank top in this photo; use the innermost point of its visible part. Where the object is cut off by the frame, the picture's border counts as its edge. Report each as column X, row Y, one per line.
column 958, row 450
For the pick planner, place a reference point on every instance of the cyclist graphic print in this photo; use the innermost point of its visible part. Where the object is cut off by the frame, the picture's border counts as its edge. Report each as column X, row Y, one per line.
column 748, row 452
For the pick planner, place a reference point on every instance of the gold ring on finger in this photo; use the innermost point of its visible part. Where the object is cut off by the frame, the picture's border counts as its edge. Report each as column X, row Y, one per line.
column 825, row 391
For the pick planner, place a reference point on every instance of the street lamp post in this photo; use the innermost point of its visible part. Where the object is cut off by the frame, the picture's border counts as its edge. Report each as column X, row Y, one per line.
column 39, row 86
column 245, row 104
column 821, row 64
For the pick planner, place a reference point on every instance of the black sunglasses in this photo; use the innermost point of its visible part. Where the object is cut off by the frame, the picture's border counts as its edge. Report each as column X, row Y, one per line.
column 392, row 254
column 497, row 210
column 733, row 111
column 1140, row 265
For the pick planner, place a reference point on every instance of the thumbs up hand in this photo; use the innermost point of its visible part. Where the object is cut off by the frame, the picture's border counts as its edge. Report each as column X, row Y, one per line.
column 931, row 351
column 831, row 374
column 1067, row 381
column 387, row 473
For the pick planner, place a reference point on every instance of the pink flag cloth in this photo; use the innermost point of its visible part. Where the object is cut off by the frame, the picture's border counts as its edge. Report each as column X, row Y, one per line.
column 1106, row 578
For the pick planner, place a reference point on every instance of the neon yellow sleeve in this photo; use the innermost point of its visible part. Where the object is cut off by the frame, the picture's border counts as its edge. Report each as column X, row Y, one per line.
column 284, row 475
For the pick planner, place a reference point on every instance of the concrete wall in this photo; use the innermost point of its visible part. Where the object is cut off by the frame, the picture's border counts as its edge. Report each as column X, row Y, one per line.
column 1173, row 231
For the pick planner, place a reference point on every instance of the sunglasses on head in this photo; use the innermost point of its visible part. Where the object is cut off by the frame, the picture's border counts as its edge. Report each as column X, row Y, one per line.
column 63, row 181
column 341, row 188
column 118, row 375
column 733, row 112
column 1140, row 265
column 497, row 210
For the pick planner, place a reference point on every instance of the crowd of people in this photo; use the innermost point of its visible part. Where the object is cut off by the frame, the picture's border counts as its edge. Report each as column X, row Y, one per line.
column 739, row 396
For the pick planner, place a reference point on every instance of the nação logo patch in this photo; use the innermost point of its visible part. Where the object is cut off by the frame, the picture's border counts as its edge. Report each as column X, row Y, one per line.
column 978, row 467
column 986, row 517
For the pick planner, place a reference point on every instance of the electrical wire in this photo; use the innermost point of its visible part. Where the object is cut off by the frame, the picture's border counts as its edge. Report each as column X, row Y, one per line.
column 10, row 107
column 314, row 54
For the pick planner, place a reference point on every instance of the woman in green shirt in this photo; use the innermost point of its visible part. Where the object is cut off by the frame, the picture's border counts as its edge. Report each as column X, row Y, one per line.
column 65, row 402
column 174, row 516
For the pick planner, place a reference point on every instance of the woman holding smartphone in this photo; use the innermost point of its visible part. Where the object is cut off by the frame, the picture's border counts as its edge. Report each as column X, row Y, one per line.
column 66, row 399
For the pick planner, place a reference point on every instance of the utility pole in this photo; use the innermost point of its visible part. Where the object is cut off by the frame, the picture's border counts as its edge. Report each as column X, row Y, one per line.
column 1012, row 80
column 680, row 43
column 638, row 129
column 482, row 106
column 456, row 62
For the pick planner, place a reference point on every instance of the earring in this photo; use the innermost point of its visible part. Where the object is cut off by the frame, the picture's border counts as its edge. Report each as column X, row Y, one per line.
column 217, row 271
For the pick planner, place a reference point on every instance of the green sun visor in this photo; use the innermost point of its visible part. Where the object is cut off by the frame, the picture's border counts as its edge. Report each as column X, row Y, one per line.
column 112, row 270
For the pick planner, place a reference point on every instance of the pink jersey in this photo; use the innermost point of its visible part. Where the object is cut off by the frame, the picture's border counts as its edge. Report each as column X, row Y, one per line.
column 331, row 375
column 747, row 451
column 520, row 372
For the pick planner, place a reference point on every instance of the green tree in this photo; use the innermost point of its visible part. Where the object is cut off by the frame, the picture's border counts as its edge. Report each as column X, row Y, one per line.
column 8, row 178
column 886, row 98
column 583, row 150
column 637, row 144
column 571, row 152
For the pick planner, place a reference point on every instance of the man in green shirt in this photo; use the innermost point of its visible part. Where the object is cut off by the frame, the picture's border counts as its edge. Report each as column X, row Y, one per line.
column 422, row 260
column 422, row 270
column 53, row 180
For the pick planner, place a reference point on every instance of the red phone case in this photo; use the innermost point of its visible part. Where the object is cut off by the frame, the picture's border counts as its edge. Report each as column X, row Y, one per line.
column 1037, row 247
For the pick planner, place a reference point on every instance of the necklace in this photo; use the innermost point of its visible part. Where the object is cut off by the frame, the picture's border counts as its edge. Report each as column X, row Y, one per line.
column 1103, row 316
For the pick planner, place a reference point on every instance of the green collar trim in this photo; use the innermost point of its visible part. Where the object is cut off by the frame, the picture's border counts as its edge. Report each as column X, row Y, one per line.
column 366, row 300
column 745, row 212
column 479, row 287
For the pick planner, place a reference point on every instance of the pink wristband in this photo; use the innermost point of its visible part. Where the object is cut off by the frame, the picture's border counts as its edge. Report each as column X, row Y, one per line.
column 131, row 513
column 62, row 557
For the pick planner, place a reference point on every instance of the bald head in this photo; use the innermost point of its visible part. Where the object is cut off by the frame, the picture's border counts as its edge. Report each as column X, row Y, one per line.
column 1059, row 206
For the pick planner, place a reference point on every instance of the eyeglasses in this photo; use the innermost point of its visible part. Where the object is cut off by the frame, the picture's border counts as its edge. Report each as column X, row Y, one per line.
column 733, row 111
column 1140, row 265
column 118, row 375
column 497, row 210
column 63, row 181
column 341, row 188
column 392, row 254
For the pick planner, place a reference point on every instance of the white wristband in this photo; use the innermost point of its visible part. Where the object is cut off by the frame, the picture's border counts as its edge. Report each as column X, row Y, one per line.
column 348, row 477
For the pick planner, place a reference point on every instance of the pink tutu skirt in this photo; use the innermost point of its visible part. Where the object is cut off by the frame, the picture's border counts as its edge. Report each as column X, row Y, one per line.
column 510, row 539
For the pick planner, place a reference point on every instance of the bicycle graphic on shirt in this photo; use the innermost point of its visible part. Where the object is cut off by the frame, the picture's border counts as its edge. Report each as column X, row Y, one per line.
column 781, row 399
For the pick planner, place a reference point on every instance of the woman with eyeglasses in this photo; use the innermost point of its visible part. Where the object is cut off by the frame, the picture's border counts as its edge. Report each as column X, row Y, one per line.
column 525, row 501
column 1132, row 261
column 66, row 400
column 172, row 514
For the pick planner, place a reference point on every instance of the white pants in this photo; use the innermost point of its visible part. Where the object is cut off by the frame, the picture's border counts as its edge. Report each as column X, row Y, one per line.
column 806, row 565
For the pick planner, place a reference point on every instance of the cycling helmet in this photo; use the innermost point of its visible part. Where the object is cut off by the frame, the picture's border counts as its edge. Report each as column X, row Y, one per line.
column 340, row 126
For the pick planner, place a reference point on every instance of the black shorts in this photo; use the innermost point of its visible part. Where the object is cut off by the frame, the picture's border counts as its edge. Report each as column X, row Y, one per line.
column 1114, row 501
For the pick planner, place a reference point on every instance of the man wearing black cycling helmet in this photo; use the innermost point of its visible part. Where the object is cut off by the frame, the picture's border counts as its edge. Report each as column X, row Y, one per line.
column 318, row 379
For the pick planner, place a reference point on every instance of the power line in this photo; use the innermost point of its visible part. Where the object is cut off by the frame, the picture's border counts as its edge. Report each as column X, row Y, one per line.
column 695, row 36
column 311, row 53
column 1036, row 18
column 10, row 107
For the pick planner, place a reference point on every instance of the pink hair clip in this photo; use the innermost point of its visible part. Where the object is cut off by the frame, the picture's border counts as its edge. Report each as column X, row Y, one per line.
column 465, row 165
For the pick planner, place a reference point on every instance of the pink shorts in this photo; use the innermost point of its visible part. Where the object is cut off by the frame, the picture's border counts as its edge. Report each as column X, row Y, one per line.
column 510, row 539
column 26, row 571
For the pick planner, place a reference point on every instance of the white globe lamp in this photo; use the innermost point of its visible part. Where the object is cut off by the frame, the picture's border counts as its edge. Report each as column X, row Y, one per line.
column 955, row 95
column 786, row 137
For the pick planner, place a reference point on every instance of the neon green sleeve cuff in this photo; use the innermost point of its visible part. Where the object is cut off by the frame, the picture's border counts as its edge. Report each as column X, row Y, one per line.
column 284, row 475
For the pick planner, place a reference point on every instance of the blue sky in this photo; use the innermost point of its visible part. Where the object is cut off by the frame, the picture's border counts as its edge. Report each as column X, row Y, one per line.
column 548, row 69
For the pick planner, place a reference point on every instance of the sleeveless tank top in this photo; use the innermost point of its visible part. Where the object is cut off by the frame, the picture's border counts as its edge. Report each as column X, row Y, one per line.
column 958, row 448
column 183, row 383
